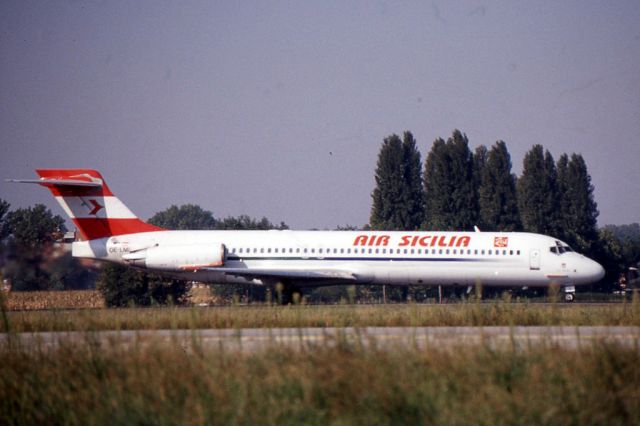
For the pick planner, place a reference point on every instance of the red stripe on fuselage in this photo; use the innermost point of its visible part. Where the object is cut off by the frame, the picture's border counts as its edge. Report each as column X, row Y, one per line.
column 92, row 228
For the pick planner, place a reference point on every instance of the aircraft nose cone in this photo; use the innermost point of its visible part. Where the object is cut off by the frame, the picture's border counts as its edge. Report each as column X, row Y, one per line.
column 599, row 271
column 594, row 272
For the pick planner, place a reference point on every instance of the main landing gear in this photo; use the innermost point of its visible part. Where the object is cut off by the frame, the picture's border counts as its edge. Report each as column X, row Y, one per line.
column 569, row 293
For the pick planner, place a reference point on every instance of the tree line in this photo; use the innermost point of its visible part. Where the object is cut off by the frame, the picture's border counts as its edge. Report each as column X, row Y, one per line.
column 457, row 189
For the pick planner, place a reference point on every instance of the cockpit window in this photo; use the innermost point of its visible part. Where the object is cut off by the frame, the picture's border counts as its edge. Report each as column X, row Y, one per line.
column 560, row 248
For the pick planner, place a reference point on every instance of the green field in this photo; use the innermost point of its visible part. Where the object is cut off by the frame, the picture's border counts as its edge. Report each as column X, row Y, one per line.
column 169, row 384
column 462, row 314
column 163, row 382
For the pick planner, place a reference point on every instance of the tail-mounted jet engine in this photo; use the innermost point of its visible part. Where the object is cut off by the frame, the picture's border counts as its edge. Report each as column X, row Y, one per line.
column 178, row 257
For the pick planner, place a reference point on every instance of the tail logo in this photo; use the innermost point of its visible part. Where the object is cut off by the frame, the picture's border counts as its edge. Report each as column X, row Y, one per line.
column 96, row 207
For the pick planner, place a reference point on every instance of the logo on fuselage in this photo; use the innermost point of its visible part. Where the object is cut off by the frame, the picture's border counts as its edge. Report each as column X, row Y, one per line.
column 368, row 240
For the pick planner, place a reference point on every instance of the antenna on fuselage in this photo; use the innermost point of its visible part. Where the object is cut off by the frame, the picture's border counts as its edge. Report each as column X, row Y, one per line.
column 475, row 228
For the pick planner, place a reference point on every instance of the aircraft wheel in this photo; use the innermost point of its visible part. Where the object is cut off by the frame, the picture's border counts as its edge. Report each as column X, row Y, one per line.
column 569, row 297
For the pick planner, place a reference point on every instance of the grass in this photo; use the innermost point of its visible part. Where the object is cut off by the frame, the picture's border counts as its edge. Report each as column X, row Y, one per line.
column 463, row 314
column 164, row 384
column 68, row 299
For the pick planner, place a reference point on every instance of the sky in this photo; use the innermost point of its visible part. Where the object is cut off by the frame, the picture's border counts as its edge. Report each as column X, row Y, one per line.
column 279, row 109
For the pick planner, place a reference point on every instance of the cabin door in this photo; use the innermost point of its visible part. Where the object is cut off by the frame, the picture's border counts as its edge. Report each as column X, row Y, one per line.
column 534, row 259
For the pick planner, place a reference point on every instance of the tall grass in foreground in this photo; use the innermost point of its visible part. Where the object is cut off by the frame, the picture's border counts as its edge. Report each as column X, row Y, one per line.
column 464, row 314
column 166, row 384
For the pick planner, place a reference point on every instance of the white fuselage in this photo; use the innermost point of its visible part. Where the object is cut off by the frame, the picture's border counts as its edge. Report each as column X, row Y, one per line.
column 374, row 257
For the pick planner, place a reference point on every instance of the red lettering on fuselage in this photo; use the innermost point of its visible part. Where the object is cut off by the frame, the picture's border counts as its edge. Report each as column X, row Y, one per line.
column 371, row 240
column 413, row 240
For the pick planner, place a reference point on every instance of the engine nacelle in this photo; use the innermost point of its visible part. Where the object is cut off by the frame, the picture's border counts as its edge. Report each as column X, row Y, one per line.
column 179, row 257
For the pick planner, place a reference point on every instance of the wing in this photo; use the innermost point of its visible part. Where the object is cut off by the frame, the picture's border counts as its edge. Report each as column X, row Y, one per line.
column 289, row 274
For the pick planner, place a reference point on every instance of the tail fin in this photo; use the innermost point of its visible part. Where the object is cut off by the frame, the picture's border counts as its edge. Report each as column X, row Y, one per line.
column 86, row 198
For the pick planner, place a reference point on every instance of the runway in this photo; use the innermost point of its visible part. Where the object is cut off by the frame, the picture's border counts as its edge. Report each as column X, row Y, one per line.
column 385, row 338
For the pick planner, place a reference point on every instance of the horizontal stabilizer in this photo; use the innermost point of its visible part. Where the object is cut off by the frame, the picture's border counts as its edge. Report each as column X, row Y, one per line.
column 59, row 182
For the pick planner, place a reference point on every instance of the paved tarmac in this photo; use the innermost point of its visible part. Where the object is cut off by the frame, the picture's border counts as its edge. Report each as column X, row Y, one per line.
column 387, row 338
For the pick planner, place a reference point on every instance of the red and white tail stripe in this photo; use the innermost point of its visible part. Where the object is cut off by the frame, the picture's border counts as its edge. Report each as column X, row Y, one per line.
column 86, row 198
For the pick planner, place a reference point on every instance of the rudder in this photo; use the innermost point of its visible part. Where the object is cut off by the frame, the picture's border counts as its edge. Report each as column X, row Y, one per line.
column 86, row 198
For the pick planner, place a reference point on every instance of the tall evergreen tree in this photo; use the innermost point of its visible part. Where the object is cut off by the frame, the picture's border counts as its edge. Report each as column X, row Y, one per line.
column 479, row 163
column 580, row 211
column 437, row 186
column 497, row 192
column 537, row 200
column 450, row 196
column 413, row 190
column 562, row 169
column 397, row 197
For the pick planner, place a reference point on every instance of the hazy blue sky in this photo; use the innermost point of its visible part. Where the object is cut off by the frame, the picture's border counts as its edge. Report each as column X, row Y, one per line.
column 279, row 108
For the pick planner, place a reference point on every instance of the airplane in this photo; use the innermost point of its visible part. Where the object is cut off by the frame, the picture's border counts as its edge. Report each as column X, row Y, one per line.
column 290, row 260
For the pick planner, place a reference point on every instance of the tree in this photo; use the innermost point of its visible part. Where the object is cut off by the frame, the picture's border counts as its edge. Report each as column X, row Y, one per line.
column 562, row 187
column 187, row 216
column 578, row 207
column 31, row 234
column 34, row 226
column 4, row 230
column 4, row 225
column 413, row 188
column 449, row 185
column 479, row 163
column 124, row 286
column 497, row 192
column 437, row 186
column 244, row 222
column 397, row 197
column 537, row 199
